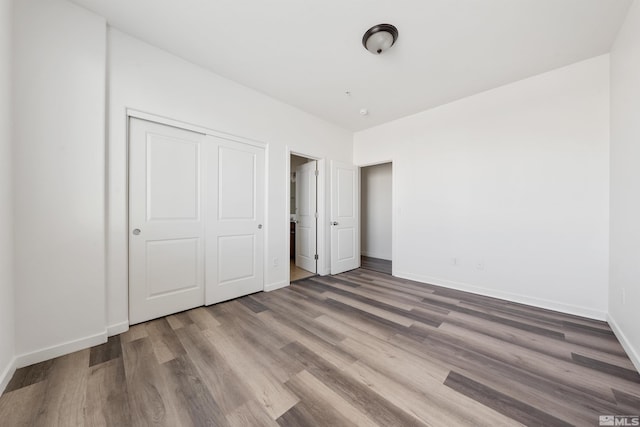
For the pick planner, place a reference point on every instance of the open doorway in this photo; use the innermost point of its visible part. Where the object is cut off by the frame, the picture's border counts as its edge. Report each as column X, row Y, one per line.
column 303, row 225
column 376, row 217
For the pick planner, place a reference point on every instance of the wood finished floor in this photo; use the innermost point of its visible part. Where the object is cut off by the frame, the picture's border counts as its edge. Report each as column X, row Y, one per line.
column 360, row 348
column 375, row 264
column 297, row 273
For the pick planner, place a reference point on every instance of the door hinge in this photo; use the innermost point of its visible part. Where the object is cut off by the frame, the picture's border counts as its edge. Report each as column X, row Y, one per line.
column 317, row 172
column 316, row 214
column 315, row 257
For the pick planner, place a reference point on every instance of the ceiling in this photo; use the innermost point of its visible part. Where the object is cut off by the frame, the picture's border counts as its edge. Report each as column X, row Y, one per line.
column 308, row 53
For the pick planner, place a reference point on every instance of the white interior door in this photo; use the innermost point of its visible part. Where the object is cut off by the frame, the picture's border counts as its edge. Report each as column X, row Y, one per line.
column 235, row 219
column 306, row 216
column 345, row 217
column 166, row 224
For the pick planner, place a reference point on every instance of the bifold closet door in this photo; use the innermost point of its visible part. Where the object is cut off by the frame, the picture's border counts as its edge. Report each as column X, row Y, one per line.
column 235, row 219
column 166, row 221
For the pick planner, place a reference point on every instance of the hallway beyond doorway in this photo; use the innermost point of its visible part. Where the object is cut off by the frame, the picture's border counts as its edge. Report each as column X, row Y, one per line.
column 297, row 273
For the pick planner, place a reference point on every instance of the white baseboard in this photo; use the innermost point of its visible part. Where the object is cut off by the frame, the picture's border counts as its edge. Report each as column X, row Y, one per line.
column 38, row 356
column 118, row 328
column 7, row 374
column 277, row 285
column 518, row 298
column 633, row 353
column 325, row 272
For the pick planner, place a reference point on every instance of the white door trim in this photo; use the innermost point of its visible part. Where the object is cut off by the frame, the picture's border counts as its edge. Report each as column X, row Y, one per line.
column 192, row 127
column 395, row 211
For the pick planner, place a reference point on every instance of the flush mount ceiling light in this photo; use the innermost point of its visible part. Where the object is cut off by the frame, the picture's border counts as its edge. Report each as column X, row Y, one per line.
column 379, row 38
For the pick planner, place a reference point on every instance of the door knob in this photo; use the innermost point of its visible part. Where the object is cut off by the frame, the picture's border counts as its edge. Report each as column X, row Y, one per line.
column 334, row 223
column 259, row 226
column 136, row 231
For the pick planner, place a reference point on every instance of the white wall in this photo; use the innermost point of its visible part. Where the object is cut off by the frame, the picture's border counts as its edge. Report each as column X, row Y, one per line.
column 624, row 290
column 58, row 159
column 375, row 212
column 7, row 343
column 506, row 193
column 145, row 78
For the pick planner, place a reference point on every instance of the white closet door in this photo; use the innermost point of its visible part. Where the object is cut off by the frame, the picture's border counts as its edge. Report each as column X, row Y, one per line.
column 166, row 224
column 235, row 219
column 345, row 217
column 306, row 216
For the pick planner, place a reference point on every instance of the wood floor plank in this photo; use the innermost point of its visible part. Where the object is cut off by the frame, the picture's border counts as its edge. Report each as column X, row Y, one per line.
column 418, row 368
column 19, row 407
column 252, row 304
column 375, row 311
column 225, row 386
column 150, row 402
column 299, row 316
column 105, row 352
column 135, row 332
column 502, row 403
column 194, row 404
column 629, row 401
column 259, row 343
column 165, row 343
column 28, row 375
column 291, row 300
column 488, row 315
column 307, row 414
column 598, row 365
column 598, row 342
column 107, row 396
column 376, row 264
column 314, row 392
column 63, row 400
column 395, row 288
column 433, row 404
column 404, row 317
column 541, row 365
column 250, row 414
column 324, row 349
column 266, row 389
column 203, row 318
column 558, row 398
column 531, row 341
column 237, row 315
column 357, row 394
column 364, row 292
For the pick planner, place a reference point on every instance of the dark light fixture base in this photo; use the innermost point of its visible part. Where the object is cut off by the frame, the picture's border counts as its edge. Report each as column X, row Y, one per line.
column 387, row 28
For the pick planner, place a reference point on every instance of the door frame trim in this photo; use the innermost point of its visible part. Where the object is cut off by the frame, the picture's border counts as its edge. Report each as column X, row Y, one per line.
column 191, row 127
column 323, row 266
column 394, row 217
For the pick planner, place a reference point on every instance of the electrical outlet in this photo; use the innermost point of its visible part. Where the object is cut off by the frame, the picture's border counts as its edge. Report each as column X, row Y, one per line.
column 454, row 262
column 480, row 265
column 275, row 262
